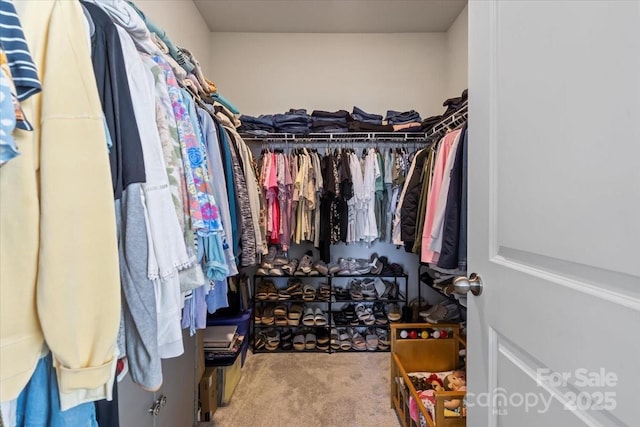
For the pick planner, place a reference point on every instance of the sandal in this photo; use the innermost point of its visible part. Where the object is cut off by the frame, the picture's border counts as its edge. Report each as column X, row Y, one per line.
column 272, row 292
column 393, row 312
column 310, row 341
column 345, row 341
column 372, row 341
column 268, row 318
column 286, row 339
column 298, row 341
column 283, row 294
column 309, row 318
column 257, row 315
column 319, row 317
column 322, row 337
column 309, row 293
column 295, row 311
column 259, row 342
column 335, row 340
column 358, row 342
column 262, row 291
column 280, row 310
column 273, row 339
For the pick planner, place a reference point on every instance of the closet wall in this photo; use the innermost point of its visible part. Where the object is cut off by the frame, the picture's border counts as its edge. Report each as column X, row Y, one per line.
column 457, row 40
column 184, row 24
column 272, row 72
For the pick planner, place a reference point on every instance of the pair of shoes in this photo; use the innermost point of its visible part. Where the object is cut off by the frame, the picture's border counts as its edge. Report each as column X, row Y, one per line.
column 291, row 267
column 391, row 270
column 365, row 314
column 272, row 262
column 324, row 292
column 280, row 315
column 306, row 266
column 286, row 339
column 357, row 340
column 295, row 313
column 266, row 291
column 273, row 339
column 443, row 312
column 314, row 317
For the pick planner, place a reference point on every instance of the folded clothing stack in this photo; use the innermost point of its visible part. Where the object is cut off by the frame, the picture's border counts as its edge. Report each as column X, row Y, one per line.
column 367, row 122
column 364, row 117
column 401, row 118
column 257, row 125
column 452, row 104
column 293, row 121
column 330, row 122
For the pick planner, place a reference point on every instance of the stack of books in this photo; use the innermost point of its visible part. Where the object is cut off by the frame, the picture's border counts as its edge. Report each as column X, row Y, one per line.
column 221, row 342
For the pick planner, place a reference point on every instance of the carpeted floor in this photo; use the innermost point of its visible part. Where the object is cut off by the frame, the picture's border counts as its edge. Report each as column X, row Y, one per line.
column 311, row 390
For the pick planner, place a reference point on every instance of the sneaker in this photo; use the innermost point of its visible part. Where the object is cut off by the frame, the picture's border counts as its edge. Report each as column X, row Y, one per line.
column 376, row 264
column 322, row 267
column 306, row 264
column 269, row 258
column 280, row 259
column 345, row 265
column 276, row 271
column 261, row 271
column 362, row 266
column 335, row 268
column 291, row 267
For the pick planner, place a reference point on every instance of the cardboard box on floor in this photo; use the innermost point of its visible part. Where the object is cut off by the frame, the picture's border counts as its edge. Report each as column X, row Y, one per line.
column 209, row 393
column 228, row 379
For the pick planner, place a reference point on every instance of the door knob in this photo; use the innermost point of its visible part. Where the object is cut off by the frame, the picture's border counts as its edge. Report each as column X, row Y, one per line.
column 462, row 285
column 155, row 408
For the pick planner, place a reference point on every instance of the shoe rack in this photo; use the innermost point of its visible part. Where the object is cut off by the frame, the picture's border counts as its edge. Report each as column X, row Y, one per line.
column 442, row 283
column 326, row 313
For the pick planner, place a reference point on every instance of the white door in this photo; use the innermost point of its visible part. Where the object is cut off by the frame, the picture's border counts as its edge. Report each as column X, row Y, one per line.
column 554, row 213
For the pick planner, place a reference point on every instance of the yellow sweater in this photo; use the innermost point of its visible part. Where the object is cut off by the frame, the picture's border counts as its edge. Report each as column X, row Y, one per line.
column 59, row 279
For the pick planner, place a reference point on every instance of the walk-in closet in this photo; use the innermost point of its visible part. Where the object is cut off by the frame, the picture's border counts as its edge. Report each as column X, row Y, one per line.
column 323, row 213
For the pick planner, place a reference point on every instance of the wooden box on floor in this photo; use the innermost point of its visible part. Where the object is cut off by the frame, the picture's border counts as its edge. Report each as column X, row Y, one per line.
column 228, row 379
column 424, row 355
column 208, row 394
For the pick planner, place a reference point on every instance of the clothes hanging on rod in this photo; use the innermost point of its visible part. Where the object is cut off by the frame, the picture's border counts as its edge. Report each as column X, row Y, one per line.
column 150, row 187
column 351, row 190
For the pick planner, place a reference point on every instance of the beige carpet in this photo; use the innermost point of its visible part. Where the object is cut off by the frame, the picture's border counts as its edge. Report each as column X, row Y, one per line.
column 311, row 390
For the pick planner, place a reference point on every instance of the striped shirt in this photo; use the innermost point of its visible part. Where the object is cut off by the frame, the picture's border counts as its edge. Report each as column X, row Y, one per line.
column 23, row 70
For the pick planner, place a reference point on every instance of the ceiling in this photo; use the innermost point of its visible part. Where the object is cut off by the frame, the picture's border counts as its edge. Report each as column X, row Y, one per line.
column 329, row 16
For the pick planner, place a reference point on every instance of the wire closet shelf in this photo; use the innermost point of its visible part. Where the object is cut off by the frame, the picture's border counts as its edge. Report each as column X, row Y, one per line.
column 345, row 139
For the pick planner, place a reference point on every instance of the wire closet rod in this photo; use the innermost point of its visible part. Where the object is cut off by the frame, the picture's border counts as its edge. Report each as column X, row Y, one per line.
column 337, row 138
column 452, row 122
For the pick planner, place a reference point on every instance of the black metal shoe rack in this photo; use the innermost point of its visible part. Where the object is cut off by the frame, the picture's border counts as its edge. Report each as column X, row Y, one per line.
column 331, row 307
